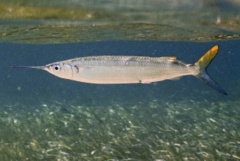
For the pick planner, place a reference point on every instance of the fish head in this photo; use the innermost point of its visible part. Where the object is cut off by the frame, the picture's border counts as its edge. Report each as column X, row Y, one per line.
column 60, row 69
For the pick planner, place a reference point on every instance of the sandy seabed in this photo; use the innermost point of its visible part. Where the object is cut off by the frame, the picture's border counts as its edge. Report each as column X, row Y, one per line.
column 145, row 131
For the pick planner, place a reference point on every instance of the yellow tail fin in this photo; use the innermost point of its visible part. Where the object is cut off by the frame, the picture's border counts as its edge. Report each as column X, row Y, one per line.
column 203, row 63
column 206, row 59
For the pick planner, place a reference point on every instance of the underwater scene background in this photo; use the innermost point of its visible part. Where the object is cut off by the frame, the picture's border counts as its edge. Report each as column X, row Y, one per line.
column 43, row 117
column 47, row 118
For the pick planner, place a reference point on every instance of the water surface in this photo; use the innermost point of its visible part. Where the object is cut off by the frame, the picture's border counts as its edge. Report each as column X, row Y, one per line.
column 80, row 21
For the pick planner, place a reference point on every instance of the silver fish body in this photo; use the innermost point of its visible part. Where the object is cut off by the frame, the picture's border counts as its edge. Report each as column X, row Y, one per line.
column 121, row 69
column 130, row 69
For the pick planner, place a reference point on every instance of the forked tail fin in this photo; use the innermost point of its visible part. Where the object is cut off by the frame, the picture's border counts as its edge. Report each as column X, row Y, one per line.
column 203, row 63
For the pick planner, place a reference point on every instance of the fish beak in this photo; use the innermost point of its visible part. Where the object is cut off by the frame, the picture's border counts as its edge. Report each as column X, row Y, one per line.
column 31, row 67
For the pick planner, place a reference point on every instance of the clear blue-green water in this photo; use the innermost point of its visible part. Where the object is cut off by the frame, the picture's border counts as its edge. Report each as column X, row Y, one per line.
column 43, row 117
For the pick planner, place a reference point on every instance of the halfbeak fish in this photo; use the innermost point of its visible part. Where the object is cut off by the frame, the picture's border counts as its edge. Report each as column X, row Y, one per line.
column 130, row 69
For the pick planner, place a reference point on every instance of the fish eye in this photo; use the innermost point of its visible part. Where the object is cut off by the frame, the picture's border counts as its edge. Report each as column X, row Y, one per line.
column 56, row 67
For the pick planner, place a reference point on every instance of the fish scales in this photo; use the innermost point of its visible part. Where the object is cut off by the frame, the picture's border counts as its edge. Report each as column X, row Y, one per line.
column 122, row 60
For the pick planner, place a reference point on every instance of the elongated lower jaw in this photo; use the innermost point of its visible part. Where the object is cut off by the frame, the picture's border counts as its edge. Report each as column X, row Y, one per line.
column 29, row 67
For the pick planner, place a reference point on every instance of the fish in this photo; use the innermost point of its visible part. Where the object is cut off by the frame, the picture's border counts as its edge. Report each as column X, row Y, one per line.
column 131, row 69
